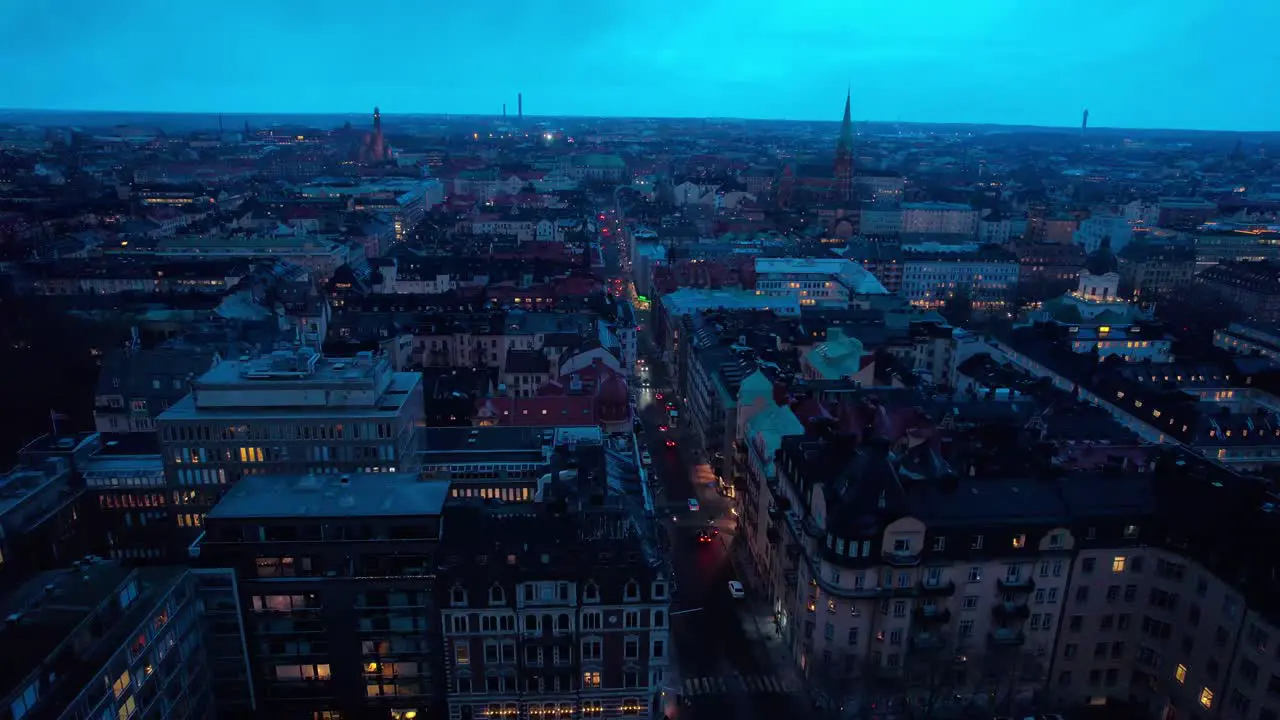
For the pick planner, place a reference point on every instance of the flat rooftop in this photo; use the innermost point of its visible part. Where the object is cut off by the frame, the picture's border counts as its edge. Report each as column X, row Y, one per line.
column 52, row 605
column 484, row 439
column 492, row 445
column 285, row 366
column 332, row 496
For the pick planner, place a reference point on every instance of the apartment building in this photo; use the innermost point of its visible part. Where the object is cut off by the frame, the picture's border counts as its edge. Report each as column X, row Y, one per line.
column 509, row 464
column 43, row 518
column 335, row 579
column 1249, row 339
column 1096, row 585
column 820, row 282
column 551, row 614
column 99, row 640
column 135, row 386
column 933, row 273
column 1155, row 271
column 1253, row 286
column 290, row 412
column 939, row 218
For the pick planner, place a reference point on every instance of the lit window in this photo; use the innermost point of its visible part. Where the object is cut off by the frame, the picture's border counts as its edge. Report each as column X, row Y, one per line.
column 1206, row 698
column 1180, row 674
column 121, row 684
column 591, row 680
column 1117, row 564
column 1019, row 542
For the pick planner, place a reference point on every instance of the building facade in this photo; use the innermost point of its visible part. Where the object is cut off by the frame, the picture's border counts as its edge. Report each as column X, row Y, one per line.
column 290, row 412
column 335, row 579
column 551, row 615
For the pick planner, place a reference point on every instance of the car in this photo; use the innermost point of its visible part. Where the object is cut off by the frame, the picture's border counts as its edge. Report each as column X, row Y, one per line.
column 1051, row 716
column 670, row 406
column 662, row 428
column 646, row 458
column 657, row 396
column 671, row 443
column 693, row 505
column 736, row 591
column 704, row 536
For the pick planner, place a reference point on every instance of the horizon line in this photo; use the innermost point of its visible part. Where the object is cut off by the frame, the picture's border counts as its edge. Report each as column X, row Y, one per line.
column 499, row 116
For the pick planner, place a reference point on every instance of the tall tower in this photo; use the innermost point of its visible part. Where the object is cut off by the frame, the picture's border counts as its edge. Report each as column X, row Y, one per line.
column 519, row 107
column 844, row 154
column 377, row 149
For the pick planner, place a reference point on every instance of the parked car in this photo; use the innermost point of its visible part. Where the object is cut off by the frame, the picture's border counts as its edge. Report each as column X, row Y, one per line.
column 693, row 505
column 646, row 458
column 736, row 591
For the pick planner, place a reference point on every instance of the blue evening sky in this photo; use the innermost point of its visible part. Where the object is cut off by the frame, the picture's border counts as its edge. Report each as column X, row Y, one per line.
column 1206, row 64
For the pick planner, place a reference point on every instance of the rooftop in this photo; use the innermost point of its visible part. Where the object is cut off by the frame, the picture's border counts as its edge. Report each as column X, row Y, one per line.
column 56, row 608
column 331, row 496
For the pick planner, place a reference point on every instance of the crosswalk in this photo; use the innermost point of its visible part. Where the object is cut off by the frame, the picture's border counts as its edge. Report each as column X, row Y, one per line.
column 738, row 683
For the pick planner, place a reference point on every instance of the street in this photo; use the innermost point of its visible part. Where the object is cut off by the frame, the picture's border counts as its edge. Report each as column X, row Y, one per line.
column 725, row 670
column 724, row 664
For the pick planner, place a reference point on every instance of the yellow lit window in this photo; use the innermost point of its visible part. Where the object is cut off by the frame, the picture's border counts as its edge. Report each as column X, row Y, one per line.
column 1117, row 564
column 1206, row 698
column 462, row 654
column 1180, row 674
column 591, row 680
column 121, row 684
column 1019, row 542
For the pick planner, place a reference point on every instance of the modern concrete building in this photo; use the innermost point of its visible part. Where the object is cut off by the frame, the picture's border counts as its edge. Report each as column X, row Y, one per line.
column 335, row 579
column 287, row 413
column 933, row 273
column 98, row 640
column 822, row 282
column 938, row 218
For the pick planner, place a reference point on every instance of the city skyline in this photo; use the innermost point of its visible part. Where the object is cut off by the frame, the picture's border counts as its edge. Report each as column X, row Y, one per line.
column 988, row 63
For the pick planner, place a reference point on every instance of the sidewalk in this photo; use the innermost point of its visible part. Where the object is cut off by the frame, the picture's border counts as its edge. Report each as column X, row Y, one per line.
column 758, row 622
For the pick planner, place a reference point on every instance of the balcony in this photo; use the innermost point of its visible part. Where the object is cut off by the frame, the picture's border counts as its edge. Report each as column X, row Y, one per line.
column 926, row 588
column 932, row 613
column 1010, row 611
column 1018, row 584
column 927, row 641
column 900, row 558
column 1006, row 636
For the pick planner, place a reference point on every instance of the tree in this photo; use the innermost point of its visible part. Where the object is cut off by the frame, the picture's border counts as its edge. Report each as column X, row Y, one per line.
column 1006, row 670
column 958, row 309
column 930, row 675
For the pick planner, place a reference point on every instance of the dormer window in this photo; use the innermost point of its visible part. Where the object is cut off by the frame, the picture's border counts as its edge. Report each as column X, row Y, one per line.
column 591, row 592
column 496, row 595
column 458, row 596
column 631, row 591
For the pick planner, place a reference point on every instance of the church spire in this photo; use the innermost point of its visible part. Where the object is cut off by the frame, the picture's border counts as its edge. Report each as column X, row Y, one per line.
column 844, row 155
column 846, row 126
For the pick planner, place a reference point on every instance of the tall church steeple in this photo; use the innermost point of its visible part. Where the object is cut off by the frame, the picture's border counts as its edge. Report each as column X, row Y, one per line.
column 844, row 154
column 846, row 126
